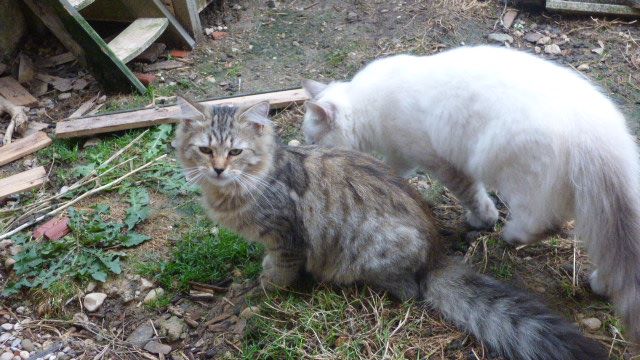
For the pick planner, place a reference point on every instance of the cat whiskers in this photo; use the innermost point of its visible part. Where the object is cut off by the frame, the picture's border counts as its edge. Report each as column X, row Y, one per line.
column 255, row 183
column 193, row 175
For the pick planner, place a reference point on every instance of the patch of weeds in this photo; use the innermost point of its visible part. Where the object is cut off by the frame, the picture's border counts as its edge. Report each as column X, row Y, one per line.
column 234, row 71
column 89, row 252
column 336, row 58
column 352, row 324
column 52, row 299
column 502, row 271
column 204, row 256
column 567, row 288
column 434, row 194
column 160, row 303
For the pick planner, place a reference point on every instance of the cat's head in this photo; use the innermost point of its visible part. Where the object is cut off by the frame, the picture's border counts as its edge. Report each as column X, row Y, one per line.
column 326, row 119
column 224, row 145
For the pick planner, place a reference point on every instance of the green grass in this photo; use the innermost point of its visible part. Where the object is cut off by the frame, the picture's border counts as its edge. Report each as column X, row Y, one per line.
column 203, row 255
column 502, row 271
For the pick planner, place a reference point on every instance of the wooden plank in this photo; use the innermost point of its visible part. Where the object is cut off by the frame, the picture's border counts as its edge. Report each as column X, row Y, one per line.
column 56, row 60
column 23, row 181
column 23, row 147
column 137, row 37
column 186, row 12
column 576, row 7
column 80, row 4
column 202, row 4
column 175, row 35
column 75, row 33
column 149, row 117
column 15, row 93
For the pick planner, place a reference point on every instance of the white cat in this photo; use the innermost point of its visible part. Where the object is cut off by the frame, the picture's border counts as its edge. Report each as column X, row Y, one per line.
column 484, row 117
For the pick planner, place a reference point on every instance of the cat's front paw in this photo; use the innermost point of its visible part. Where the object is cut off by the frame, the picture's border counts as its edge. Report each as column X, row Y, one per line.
column 484, row 216
column 273, row 277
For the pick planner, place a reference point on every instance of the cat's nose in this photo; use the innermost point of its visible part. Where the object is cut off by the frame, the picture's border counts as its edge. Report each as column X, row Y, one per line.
column 218, row 171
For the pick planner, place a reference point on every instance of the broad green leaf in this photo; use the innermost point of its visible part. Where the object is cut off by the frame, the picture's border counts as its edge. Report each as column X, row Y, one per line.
column 139, row 210
column 133, row 239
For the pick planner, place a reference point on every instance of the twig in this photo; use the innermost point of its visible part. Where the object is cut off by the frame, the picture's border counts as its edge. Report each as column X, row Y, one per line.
column 205, row 287
column 88, row 193
column 18, row 119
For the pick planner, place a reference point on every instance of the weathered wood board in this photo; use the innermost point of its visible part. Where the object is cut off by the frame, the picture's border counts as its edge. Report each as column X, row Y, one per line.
column 23, row 181
column 11, row 90
column 23, row 147
column 149, row 117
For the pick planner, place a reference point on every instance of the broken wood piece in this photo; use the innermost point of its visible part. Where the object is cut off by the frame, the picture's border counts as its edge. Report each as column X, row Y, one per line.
column 207, row 287
column 18, row 119
column 26, row 71
column 60, row 84
column 15, row 93
column 84, row 108
column 23, row 181
column 152, row 53
column 509, row 17
column 137, row 37
column 54, row 229
column 163, row 65
column 95, row 109
column 33, row 127
column 23, row 147
column 150, row 117
column 591, row 7
column 56, row 60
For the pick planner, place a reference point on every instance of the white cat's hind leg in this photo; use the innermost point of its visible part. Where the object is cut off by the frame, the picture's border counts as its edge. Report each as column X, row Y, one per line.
column 597, row 284
column 525, row 226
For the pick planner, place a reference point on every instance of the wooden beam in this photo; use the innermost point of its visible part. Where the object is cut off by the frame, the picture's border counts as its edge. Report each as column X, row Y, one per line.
column 149, row 117
column 23, row 147
column 596, row 8
column 186, row 12
column 175, row 34
column 23, row 181
column 15, row 93
column 75, row 33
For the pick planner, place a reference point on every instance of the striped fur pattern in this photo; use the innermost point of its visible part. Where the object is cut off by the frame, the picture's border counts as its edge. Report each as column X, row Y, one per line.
column 345, row 218
column 547, row 140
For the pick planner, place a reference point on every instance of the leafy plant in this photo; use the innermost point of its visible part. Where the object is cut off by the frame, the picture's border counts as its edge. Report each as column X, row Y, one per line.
column 89, row 252
column 139, row 210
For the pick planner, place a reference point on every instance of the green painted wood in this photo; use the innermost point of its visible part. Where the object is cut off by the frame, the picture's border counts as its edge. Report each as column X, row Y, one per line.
column 75, row 33
column 81, row 4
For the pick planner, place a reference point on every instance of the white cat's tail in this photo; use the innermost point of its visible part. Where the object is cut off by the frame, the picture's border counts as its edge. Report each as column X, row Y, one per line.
column 607, row 206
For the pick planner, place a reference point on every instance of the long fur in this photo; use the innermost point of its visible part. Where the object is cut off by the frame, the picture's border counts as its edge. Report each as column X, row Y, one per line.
column 492, row 118
column 346, row 218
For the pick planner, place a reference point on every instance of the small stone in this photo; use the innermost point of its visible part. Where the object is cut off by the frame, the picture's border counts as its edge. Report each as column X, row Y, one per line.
column 352, row 17
column 80, row 318
column 583, row 67
column 27, row 345
column 598, row 51
column 592, row 324
column 294, row 142
column 539, row 289
column 501, row 38
column 6, row 337
column 15, row 250
column 537, row 49
column 6, row 327
column 249, row 312
column 66, row 349
column 92, row 286
column 6, row 243
column 24, row 354
column 552, row 49
column 219, row 35
column 208, row 31
column 173, row 328
column 211, row 79
column 21, row 310
column 533, row 37
column 93, row 301
column 153, row 295
column 543, row 40
column 16, row 343
column 157, row 348
column 8, row 263
column 141, row 335
column 6, row 356
column 145, row 284
column 91, row 142
column 64, row 96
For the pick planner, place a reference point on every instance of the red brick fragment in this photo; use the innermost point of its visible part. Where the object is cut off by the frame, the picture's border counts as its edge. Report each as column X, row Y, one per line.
column 179, row 53
column 219, row 35
column 54, row 229
column 146, row 79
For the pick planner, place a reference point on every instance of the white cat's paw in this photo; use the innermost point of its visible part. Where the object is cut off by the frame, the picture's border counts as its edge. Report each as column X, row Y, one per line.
column 597, row 284
column 483, row 218
column 514, row 234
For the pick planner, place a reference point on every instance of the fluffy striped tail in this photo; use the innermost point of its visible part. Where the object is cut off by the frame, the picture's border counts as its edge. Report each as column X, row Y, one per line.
column 508, row 320
column 607, row 197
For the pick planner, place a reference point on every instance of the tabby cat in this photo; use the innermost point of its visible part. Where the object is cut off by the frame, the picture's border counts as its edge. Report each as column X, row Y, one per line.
column 346, row 218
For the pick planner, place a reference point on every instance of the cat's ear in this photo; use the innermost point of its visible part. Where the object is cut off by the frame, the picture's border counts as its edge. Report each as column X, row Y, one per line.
column 190, row 110
column 313, row 88
column 324, row 113
column 257, row 115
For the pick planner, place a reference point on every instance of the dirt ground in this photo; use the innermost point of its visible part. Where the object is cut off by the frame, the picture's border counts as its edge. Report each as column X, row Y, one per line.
column 273, row 45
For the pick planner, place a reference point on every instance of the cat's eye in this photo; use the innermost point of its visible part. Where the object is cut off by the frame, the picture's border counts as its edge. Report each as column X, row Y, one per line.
column 205, row 150
column 235, row 152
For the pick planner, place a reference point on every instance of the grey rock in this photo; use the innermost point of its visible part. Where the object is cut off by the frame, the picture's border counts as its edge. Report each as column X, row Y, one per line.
column 64, row 96
column 533, row 37
column 157, row 348
column 5, row 243
column 153, row 295
column 172, row 328
column 16, row 343
column 592, row 324
column 93, row 301
column 543, row 40
column 352, row 17
column 249, row 312
column 501, row 38
column 552, row 49
column 6, row 356
column 27, row 345
column 141, row 335
column 6, row 327
column 6, row 337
